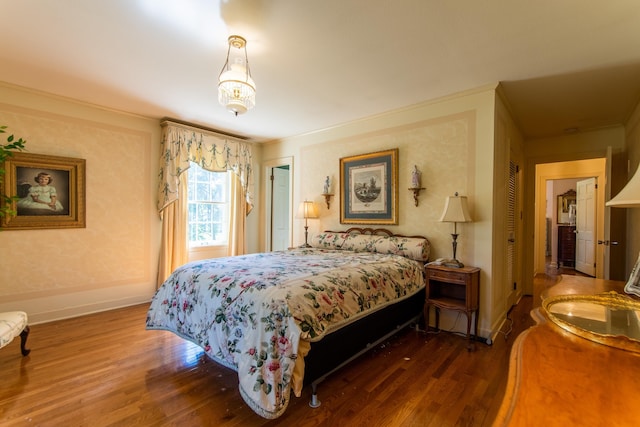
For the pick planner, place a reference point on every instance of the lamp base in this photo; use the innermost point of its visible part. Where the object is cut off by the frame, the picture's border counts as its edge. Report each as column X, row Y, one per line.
column 306, row 235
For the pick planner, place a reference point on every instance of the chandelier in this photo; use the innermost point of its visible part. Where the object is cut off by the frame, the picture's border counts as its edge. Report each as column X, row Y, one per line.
column 236, row 88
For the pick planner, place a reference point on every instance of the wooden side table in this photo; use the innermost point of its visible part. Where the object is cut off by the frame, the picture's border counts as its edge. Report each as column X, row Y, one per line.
column 557, row 378
column 453, row 289
column 566, row 246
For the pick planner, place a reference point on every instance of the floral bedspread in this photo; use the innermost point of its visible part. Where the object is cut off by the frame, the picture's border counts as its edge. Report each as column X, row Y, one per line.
column 250, row 312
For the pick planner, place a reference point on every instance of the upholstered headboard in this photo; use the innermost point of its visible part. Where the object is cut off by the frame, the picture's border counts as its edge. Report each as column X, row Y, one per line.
column 377, row 240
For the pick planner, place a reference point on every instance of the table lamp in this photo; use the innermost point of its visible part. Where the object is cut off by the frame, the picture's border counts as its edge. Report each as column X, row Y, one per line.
column 307, row 210
column 455, row 211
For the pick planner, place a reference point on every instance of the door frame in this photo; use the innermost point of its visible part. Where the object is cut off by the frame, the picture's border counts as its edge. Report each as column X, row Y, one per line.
column 566, row 170
column 267, row 166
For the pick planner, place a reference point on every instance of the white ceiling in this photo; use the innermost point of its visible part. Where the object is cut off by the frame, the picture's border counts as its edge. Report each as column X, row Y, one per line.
column 319, row 63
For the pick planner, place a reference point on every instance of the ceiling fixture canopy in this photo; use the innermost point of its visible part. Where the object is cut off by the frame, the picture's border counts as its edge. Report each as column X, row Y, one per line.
column 236, row 88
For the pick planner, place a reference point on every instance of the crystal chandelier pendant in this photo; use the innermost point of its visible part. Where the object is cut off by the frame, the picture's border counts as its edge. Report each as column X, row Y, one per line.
column 236, row 88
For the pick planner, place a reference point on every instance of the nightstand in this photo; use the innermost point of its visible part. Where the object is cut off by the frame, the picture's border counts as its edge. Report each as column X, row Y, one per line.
column 453, row 289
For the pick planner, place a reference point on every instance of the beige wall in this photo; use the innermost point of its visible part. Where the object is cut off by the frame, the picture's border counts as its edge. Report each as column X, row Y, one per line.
column 57, row 273
column 452, row 143
column 113, row 262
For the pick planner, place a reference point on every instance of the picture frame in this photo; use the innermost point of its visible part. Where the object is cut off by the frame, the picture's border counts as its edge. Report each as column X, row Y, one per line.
column 633, row 283
column 369, row 188
column 565, row 201
column 47, row 191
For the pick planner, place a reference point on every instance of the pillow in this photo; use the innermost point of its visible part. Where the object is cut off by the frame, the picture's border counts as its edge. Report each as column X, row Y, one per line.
column 415, row 248
column 328, row 240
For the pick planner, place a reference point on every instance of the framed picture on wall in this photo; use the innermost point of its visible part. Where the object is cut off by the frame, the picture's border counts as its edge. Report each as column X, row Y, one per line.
column 47, row 191
column 565, row 201
column 369, row 188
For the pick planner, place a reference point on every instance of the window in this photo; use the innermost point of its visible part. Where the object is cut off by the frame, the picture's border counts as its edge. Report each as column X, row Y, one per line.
column 208, row 204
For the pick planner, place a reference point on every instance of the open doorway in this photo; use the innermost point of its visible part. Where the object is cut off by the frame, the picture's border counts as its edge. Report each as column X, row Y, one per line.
column 553, row 184
column 570, row 226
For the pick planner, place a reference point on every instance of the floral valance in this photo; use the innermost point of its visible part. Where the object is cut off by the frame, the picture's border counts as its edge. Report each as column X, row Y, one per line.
column 217, row 153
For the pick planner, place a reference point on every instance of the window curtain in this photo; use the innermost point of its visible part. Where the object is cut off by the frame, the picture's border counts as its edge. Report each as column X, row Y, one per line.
column 183, row 144
column 173, row 242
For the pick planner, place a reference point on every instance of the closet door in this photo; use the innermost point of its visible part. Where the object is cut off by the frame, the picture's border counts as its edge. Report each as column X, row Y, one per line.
column 512, row 232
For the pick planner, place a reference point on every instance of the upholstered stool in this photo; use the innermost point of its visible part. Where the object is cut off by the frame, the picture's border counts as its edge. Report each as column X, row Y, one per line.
column 12, row 324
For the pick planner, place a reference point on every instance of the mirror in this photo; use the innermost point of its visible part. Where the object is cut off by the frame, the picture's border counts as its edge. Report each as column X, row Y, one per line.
column 567, row 208
column 610, row 318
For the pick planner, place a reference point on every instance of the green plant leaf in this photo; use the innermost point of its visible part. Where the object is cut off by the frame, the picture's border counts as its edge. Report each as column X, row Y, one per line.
column 6, row 151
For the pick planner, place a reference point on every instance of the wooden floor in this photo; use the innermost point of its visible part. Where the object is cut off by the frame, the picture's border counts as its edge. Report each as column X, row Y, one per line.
column 106, row 369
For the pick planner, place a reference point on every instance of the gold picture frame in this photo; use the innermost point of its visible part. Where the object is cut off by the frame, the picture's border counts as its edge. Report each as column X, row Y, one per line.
column 47, row 192
column 564, row 207
column 369, row 188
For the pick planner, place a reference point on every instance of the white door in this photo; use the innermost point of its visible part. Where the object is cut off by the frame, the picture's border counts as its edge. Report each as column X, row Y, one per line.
column 280, row 209
column 586, row 226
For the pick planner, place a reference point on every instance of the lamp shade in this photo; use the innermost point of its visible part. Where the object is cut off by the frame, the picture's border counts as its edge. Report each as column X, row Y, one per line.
column 236, row 90
column 307, row 210
column 629, row 196
column 456, row 210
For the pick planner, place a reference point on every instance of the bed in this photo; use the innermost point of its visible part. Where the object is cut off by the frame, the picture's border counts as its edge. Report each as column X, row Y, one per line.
column 284, row 319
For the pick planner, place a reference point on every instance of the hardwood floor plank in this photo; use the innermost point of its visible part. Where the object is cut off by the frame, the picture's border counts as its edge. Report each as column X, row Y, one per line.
column 105, row 369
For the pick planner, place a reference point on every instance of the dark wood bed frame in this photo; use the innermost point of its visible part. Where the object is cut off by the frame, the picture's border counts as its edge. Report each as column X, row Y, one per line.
column 346, row 344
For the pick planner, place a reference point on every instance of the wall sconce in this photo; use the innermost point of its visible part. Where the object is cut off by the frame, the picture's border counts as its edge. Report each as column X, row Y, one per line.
column 326, row 192
column 455, row 211
column 307, row 210
column 415, row 184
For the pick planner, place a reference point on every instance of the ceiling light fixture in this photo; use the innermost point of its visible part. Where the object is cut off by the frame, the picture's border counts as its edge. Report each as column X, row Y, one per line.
column 236, row 88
